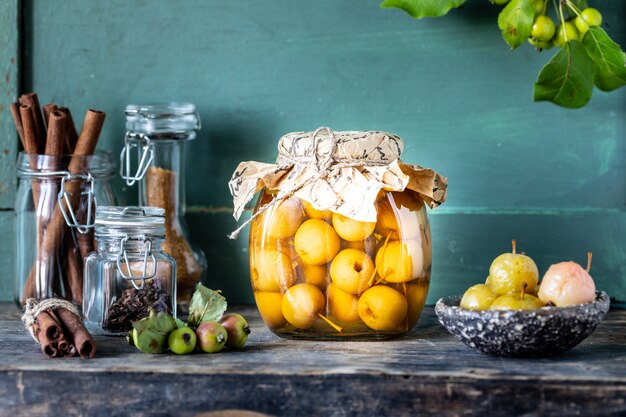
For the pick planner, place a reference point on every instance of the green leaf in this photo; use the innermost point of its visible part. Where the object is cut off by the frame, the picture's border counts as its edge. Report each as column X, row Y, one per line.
column 205, row 305
column 423, row 8
column 516, row 21
column 608, row 58
column 180, row 324
column 162, row 323
column 567, row 80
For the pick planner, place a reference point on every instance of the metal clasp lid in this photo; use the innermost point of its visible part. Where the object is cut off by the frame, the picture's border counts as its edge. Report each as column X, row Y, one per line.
column 145, row 155
column 148, row 256
column 65, row 203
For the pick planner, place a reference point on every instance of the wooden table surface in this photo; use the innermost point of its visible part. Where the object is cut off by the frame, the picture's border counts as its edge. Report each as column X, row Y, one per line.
column 427, row 372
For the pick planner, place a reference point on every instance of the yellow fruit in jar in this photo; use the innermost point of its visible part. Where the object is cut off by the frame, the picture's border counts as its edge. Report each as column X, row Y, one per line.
column 270, row 308
column 400, row 261
column 282, row 220
column 271, row 270
column 416, row 298
column 352, row 230
column 342, row 305
column 352, row 271
column 415, row 293
column 382, row 308
column 315, row 275
column 368, row 245
column 314, row 213
column 316, row 242
column 301, row 305
column 397, row 216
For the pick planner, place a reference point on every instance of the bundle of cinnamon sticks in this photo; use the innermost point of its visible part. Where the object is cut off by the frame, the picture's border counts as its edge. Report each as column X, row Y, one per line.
column 61, row 333
column 57, row 268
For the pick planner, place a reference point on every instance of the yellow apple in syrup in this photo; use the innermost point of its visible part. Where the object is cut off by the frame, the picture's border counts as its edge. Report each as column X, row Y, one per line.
column 382, row 308
column 352, row 230
column 315, row 275
column 283, row 219
column 271, row 270
column 316, row 242
column 400, row 261
column 269, row 305
column 302, row 304
column 352, row 271
column 342, row 305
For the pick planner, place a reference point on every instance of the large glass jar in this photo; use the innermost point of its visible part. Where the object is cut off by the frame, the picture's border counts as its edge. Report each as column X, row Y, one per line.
column 54, row 212
column 129, row 274
column 340, row 243
column 318, row 274
column 160, row 133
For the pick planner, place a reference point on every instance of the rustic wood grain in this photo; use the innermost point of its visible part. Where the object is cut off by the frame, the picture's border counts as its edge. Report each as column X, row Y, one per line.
column 427, row 372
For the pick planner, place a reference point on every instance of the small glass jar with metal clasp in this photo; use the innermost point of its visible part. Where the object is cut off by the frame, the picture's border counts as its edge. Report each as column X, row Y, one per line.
column 129, row 274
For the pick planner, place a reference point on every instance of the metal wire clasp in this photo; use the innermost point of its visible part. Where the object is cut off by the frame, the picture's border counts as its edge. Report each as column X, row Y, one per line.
column 145, row 155
column 148, row 255
column 65, row 203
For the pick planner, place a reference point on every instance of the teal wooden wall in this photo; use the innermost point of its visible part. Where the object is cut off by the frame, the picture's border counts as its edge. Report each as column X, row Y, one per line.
column 555, row 179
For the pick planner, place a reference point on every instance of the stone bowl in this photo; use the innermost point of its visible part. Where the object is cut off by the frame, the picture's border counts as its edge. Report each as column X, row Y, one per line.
column 547, row 331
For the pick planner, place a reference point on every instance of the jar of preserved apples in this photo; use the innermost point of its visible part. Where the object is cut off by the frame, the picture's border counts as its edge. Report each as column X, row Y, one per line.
column 340, row 244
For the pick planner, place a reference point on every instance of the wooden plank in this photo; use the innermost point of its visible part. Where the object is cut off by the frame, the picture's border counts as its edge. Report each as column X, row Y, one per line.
column 9, row 64
column 427, row 372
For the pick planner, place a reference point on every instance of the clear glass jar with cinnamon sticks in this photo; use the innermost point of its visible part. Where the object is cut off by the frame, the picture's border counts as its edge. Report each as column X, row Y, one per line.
column 157, row 136
column 61, row 180
column 129, row 274
column 50, row 254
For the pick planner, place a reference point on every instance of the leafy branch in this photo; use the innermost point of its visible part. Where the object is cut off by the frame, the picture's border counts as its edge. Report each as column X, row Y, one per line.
column 586, row 57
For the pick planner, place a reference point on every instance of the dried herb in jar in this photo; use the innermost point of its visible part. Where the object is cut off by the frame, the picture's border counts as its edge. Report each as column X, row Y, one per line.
column 135, row 304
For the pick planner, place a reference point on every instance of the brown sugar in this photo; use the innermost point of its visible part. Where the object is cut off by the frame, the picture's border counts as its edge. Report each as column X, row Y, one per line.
column 161, row 192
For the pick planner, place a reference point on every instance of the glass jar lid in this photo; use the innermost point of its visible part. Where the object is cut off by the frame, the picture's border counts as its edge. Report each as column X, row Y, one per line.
column 167, row 121
column 114, row 221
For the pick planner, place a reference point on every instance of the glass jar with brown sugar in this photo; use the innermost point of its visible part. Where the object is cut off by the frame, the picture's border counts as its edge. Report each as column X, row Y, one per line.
column 157, row 136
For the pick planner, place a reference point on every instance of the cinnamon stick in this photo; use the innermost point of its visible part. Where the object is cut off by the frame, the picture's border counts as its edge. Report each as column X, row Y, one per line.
column 48, row 332
column 17, row 118
column 89, row 134
column 49, row 325
column 57, row 123
column 29, row 129
column 73, row 269
column 40, row 130
column 47, row 109
column 72, row 135
column 77, row 334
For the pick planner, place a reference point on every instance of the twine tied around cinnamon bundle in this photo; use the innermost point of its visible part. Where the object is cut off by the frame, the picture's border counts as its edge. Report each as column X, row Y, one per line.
column 34, row 308
column 55, row 324
column 338, row 171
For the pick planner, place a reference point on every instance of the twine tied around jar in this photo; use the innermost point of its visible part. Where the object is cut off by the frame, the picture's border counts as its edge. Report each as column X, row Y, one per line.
column 338, row 171
column 33, row 308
